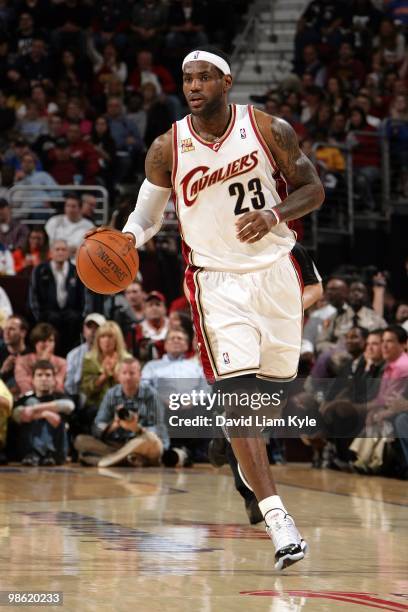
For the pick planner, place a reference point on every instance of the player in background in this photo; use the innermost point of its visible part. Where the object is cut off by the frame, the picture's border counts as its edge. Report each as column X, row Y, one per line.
column 228, row 167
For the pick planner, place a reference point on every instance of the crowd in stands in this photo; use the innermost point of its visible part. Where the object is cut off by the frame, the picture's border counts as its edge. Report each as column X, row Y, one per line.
column 349, row 88
column 85, row 88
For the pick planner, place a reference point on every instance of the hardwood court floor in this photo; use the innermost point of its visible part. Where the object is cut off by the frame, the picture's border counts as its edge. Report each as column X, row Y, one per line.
column 158, row 540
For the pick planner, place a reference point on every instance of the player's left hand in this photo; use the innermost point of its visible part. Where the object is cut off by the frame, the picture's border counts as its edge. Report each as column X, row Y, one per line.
column 253, row 226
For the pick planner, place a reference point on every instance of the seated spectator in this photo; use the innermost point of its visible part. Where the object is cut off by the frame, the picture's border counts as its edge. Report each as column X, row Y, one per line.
column 396, row 130
column 186, row 25
column 35, row 68
column 146, row 340
column 349, row 70
column 14, row 344
column 76, row 356
column 135, row 296
column 364, row 101
column 101, row 367
column 389, row 45
column 29, row 176
column 6, row 405
column 104, row 144
column 355, row 312
column 42, row 339
column 129, row 425
column 65, row 168
column 366, row 157
column 73, row 73
column 7, row 113
column 105, row 67
column 6, row 261
column 75, row 113
column 149, row 20
column 45, row 143
column 175, row 373
column 56, row 295
column 89, row 204
column 32, row 125
column 25, row 34
column 34, row 251
column 158, row 116
column 126, row 136
column 312, row 65
column 42, row 436
column 71, row 226
column 401, row 315
column 70, row 20
column 13, row 234
column 336, row 96
column 45, row 107
column 337, row 131
column 84, row 154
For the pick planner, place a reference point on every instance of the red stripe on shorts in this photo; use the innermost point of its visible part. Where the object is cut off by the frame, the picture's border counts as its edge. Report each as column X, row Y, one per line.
column 205, row 359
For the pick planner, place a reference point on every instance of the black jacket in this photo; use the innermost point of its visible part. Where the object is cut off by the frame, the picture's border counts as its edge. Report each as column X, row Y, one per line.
column 43, row 291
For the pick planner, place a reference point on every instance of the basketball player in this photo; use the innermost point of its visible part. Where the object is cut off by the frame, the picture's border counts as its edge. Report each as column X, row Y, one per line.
column 228, row 167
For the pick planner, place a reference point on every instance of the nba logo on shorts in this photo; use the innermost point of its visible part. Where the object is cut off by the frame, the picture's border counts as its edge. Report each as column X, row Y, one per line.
column 226, row 358
column 243, row 133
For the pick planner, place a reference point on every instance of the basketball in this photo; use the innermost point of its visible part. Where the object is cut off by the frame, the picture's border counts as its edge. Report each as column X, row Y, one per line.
column 107, row 262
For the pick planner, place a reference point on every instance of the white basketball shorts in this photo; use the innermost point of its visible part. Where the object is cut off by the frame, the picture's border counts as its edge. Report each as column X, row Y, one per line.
column 248, row 323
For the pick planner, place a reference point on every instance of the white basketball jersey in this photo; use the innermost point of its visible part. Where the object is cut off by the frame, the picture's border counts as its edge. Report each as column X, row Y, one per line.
column 214, row 183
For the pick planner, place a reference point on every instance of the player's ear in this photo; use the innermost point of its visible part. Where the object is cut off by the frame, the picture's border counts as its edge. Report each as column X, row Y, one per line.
column 227, row 82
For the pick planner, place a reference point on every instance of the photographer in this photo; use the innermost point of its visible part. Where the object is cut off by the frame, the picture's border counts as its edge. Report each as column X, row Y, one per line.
column 129, row 424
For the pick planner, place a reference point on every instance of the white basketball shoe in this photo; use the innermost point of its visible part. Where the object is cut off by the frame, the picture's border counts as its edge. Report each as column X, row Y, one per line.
column 289, row 545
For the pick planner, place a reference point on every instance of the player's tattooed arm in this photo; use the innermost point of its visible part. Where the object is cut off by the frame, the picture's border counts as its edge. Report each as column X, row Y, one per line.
column 307, row 190
column 159, row 160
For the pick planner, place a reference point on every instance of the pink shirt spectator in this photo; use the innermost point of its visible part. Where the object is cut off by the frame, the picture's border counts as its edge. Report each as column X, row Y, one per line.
column 24, row 371
column 393, row 380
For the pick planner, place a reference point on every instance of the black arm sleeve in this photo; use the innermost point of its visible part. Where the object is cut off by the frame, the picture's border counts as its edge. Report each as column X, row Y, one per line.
column 310, row 274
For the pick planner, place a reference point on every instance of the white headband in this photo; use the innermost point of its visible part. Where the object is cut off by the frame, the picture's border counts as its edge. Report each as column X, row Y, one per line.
column 206, row 56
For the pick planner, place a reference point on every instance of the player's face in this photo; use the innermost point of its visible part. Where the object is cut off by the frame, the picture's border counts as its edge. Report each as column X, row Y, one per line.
column 204, row 88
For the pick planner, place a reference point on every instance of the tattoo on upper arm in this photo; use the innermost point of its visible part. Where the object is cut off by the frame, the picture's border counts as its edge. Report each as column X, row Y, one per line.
column 155, row 157
column 296, row 167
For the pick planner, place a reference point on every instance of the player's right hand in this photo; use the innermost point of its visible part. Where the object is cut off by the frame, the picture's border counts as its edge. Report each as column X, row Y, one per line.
column 95, row 230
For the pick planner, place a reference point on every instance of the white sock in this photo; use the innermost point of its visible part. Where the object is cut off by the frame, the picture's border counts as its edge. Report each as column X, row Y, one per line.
column 271, row 503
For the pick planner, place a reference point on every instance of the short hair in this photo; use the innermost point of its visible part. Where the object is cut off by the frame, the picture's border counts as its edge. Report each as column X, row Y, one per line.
column 4, row 203
column 399, row 332
column 41, row 332
column 73, row 196
column 23, row 322
column 178, row 331
column 376, row 332
column 43, row 364
column 129, row 361
column 363, row 331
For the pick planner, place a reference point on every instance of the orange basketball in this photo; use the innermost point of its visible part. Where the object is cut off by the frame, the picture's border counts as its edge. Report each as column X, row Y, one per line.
column 107, row 262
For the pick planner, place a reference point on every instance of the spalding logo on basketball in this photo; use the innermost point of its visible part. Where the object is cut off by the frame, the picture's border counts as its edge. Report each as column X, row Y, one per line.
column 107, row 262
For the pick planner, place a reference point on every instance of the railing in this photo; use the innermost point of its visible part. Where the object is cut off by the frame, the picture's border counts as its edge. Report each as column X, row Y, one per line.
column 33, row 204
column 247, row 42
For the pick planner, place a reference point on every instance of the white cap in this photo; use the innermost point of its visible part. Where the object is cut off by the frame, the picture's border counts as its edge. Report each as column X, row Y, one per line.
column 95, row 317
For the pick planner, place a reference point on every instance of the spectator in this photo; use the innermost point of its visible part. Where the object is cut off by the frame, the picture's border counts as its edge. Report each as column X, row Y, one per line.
column 84, row 154
column 71, row 73
column 135, row 296
column 34, row 68
column 104, row 144
column 336, row 96
column 158, row 117
column 396, row 129
column 312, row 65
column 13, row 234
column 148, row 24
column 129, row 424
column 147, row 338
column 101, row 367
column 366, row 157
column 56, row 295
column 354, row 313
column 70, row 227
column 47, row 142
column 312, row 98
column 7, row 113
column 186, row 25
column 75, row 113
column 107, row 67
column 364, row 101
column 29, row 176
column 89, row 204
column 126, row 136
column 347, row 69
column 389, row 46
column 31, row 126
column 6, row 405
column 42, row 338
column 69, row 20
column 14, row 344
column 25, row 34
column 34, row 251
column 65, row 168
column 337, row 131
column 76, row 356
column 42, row 436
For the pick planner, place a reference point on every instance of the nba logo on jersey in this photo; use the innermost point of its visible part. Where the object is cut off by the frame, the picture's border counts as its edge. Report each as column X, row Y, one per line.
column 243, row 133
column 187, row 145
column 226, row 358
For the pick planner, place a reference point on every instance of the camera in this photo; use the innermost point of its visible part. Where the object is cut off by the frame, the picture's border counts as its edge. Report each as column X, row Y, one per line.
column 125, row 412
